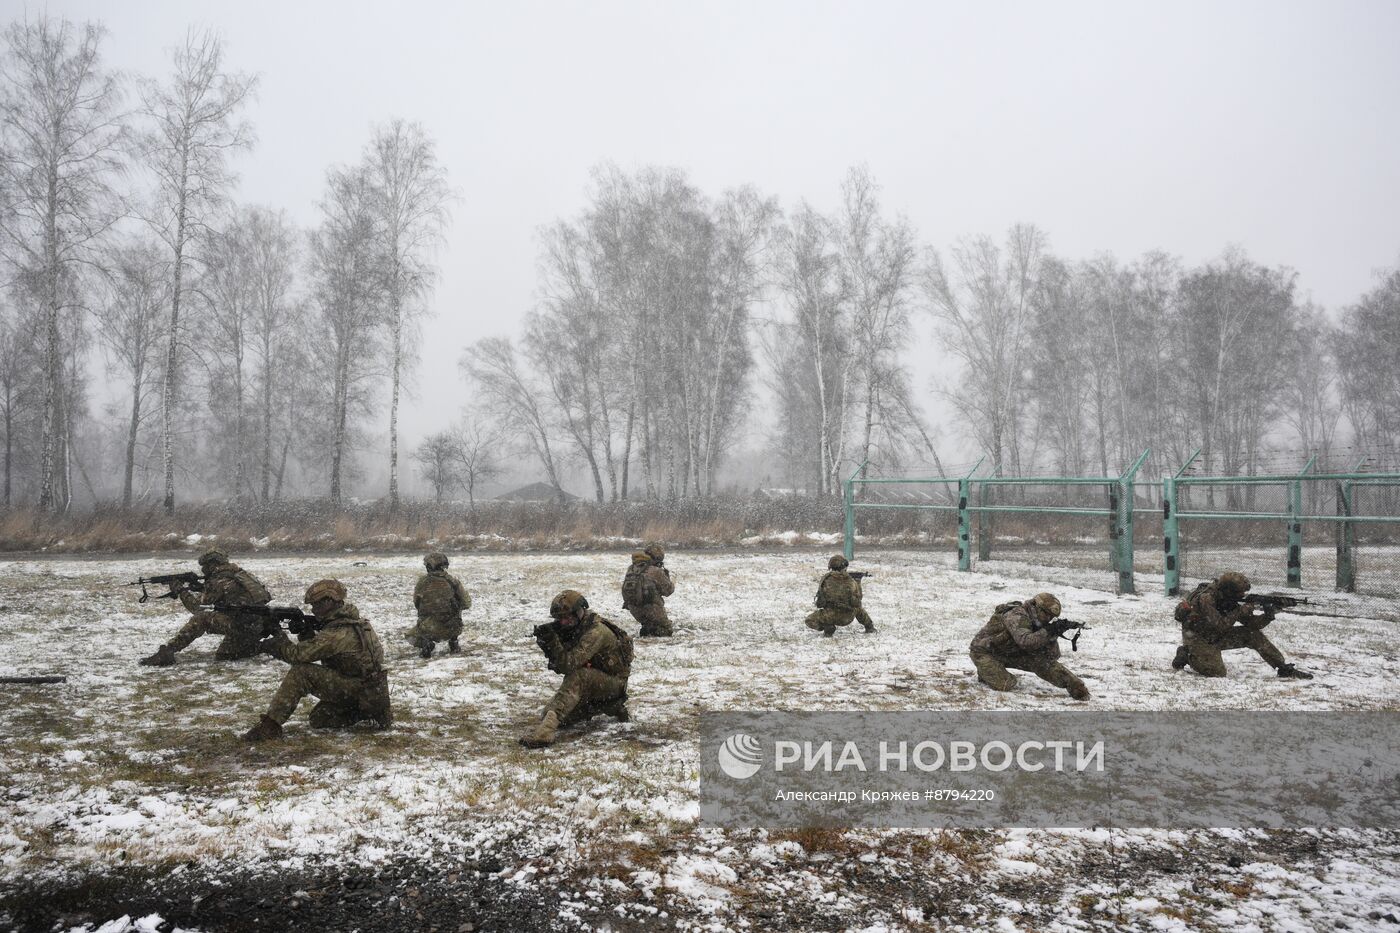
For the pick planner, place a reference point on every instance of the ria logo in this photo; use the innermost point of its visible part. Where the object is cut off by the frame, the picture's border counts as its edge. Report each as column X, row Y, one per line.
column 740, row 756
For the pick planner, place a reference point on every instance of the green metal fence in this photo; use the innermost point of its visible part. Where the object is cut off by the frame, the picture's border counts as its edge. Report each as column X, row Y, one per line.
column 1335, row 530
column 1338, row 529
column 1081, row 523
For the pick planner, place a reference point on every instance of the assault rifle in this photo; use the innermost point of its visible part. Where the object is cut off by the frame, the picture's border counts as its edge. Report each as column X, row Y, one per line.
column 175, row 582
column 859, row 574
column 298, row 623
column 1060, row 626
column 1271, row 603
column 554, row 639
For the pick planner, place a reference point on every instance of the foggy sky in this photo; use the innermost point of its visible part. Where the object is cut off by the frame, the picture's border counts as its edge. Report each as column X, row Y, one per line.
column 1184, row 126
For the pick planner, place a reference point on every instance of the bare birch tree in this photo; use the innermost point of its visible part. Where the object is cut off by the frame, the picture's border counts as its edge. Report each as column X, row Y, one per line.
column 194, row 128
column 412, row 197
column 983, row 308
column 131, row 320
column 59, row 151
column 347, row 266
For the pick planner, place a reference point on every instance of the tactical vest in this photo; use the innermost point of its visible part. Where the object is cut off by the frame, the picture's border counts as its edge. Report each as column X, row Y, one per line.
column 1186, row 609
column 438, row 597
column 625, row 647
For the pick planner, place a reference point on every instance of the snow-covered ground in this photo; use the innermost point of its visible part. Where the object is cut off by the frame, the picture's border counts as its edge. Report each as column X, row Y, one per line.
column 142, row 767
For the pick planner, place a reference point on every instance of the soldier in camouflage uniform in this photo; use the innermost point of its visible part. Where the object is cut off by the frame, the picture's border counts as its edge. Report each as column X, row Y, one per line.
column 1213, row 619
column 440, row 600
column 350, row 681
column 645, row 588
column 225, row 584
column 838, row 600
column 1024, row 636
column 595, row 657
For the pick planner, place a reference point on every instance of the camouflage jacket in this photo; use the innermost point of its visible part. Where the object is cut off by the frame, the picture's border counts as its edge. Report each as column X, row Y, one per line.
column 230, row 585
column 347, row 645
column 839, row 590
column 440, row 594
column 1012, row 630
column 1211, row 615
column 595, row 645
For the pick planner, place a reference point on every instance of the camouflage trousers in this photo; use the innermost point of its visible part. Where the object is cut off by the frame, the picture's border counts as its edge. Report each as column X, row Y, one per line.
column 653, row 619
column 827, row 620
column 992, row 670
column 583, row 693
column 1204, row 654
column 344, row 701
column 241, row 636
column 436, row 628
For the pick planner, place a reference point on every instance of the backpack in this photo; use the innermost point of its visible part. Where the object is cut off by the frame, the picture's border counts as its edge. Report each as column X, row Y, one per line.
column 637, row 588
column 254, row 593
column 1186, row 608
column 625, row 648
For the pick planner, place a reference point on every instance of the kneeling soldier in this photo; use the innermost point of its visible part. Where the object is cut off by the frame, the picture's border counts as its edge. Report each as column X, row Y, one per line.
column 1024, row 636
column 350, row 681
column 595, row 657
column 1214, row 619
column 645, row 588
column 225, row 584
column 838, row 600
column 440, row 600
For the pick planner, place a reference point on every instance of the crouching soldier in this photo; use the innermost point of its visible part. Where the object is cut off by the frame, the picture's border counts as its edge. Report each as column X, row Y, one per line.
column 595, row 657
column 644, row 591
column 440, row 600
column 1024, row 636
column 1214, row 618
column 226, row 585
column 349, row 681
column 838, row 600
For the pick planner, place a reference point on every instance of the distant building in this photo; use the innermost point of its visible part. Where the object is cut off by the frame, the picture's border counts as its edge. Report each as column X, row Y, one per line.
column 536, row 492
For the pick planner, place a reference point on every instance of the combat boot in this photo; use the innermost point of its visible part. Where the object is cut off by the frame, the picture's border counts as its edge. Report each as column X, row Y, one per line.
column 828, row 632
column 1289, row 672
column 425, row 648
column 164, row 657
column 267, row 728
column 617, row 709
column 1183, row 655
column 384, row 719
column 1079, row 692
column 453, row 647
column 870, row 628
column 543, row 733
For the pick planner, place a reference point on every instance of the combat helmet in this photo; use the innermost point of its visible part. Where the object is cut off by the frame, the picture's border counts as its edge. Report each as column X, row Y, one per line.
column 641, row 557
column 1046, row 604
column 567, row 603
column 838, row 562
column 435, row 561
column 323, row 589
column 655, row 551
column 213, row 557
column 1233, row 583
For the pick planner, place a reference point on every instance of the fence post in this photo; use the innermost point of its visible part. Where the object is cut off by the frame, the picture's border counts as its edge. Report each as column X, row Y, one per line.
column 1295, row 534
column 1295, row 526
column 964, row 525
column 1123, row 524
column 848, row 495
column 1115, row 528
column 1346, row 541
column 1171, row 538
column 984, row 523
column 848, row 498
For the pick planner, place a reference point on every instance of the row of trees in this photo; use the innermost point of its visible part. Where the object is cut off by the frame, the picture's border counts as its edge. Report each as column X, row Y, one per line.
column 640, row 354
column 118, row 222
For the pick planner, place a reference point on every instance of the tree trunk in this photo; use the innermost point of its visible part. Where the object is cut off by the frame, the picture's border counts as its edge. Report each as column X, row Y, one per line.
column 48, row 439
column 266, row 424
column 394, row 404
column 131, row 433
column 342, row 373
column 172, row 352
